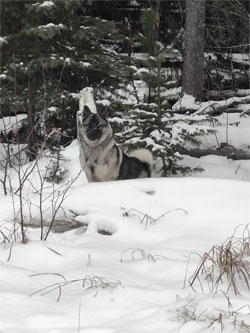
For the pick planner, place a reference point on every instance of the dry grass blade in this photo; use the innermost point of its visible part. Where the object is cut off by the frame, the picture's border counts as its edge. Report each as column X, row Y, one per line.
column 229, row 261
column 79, row 318
column 147, row 219
column 56, row 274
column 136, row 254
column 87, row 283
column 219, row 320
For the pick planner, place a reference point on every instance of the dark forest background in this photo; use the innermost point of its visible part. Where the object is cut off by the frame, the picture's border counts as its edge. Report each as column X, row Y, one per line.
column 50, row 50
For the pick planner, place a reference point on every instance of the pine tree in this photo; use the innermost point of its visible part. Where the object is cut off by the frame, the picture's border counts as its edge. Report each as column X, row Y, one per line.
column 163, row 133
column 153, row 125
column 51, row 50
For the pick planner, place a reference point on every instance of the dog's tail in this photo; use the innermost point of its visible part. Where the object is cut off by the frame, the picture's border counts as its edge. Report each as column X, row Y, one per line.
column 144, row 155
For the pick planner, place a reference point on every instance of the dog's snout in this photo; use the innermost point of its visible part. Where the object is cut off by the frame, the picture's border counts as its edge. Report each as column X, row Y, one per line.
column 93, row 122
column 94, row 130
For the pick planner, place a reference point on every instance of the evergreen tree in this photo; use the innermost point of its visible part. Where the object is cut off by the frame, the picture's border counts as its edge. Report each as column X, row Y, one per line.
column 166, row 134
column 152, row 125
column 51, row 49
column 163, row 133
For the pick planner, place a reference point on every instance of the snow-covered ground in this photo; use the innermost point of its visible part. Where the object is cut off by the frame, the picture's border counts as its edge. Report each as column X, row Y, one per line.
column 128, row 268
column 12, row 123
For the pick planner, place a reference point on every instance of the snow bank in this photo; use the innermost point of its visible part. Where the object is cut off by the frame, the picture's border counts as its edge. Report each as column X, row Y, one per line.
column 129, row 279
column 126, row 269
column 186, row 102
column 12, row 123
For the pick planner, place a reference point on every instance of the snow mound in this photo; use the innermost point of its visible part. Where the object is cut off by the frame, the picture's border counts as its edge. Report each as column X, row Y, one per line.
column 124, row 269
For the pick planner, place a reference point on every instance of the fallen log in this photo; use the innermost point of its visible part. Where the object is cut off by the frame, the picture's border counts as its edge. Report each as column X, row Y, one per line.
column 217, row 107
column 224, row 150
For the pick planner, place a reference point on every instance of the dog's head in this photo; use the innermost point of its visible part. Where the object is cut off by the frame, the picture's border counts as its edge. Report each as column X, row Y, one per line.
column 94, row 127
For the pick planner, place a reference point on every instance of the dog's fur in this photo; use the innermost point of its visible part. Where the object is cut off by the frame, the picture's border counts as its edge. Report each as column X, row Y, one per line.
column 100, row 157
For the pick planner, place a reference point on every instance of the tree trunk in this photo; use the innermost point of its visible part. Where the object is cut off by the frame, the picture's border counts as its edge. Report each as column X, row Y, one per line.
column 193, row 66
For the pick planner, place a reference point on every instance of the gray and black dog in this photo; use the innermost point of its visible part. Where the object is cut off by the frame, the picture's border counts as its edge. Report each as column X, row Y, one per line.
column 100, row 157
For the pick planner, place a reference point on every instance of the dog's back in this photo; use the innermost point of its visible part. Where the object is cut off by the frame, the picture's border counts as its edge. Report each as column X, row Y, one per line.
column 137, row 165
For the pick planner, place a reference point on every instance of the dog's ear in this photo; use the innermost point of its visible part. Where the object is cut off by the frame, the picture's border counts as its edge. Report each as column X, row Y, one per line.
column 86, row 111
column 102, row 111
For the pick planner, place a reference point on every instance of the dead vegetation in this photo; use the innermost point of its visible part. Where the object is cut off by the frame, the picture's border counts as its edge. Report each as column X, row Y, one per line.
column 87, row 283
column 225, row 265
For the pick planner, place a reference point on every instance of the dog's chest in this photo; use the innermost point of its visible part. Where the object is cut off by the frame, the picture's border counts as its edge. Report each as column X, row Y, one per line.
column 102, row 166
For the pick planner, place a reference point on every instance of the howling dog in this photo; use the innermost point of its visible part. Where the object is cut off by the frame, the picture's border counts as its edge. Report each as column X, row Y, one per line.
column 100, row 158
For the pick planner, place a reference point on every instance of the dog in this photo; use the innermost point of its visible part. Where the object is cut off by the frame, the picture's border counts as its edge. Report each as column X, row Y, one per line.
column 100, row 157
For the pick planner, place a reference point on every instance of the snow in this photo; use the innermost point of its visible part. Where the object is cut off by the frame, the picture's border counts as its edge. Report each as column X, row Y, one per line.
column 3, row 40
column 85, row 64
column 171, row 92
column 209, row 106
column 51, row 25
column 242, row 58
column 134, row 3
column 219, row 167
column 127, row 94
column 126, row 269
column 47, row 4
column 187, row 102
column 242, row 92
column 52, row 109
column 118, row 120
column 104, row 102
column 237, row 131
column 142, row 71
column 12, row 123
